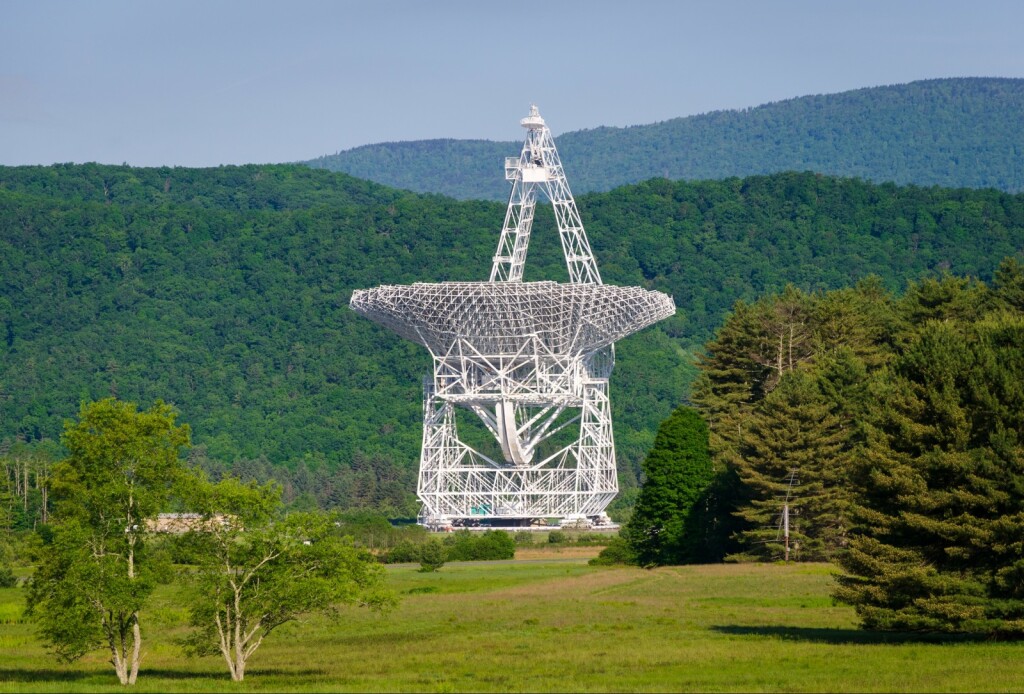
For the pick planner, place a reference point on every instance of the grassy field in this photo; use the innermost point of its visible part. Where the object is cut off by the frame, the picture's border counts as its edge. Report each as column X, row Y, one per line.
column 552, row 623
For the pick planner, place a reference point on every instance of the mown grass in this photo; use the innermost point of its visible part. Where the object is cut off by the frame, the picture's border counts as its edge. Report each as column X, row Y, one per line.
column 556, row 625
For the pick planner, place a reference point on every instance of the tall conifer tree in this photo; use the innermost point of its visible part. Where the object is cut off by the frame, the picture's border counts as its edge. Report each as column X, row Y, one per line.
column 794, row 453
column 677, row 475
column 940, row 503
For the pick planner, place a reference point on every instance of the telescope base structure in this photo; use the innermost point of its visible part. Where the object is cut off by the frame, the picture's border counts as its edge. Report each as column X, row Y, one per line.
column 529, row 360
column 460, row 486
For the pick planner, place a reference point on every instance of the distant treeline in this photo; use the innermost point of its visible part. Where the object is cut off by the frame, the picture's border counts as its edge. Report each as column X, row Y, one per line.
column 962, row 132
column 224, row 291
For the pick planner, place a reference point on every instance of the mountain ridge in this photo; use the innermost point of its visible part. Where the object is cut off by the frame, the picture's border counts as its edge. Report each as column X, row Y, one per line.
column 952, row 132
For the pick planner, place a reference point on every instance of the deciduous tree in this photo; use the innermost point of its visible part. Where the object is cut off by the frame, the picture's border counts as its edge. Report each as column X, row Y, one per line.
column 94, row 579
column 259, row 570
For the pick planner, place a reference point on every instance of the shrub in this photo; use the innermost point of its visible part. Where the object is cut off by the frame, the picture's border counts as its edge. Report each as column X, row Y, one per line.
column 181, row 549
column 432, row 555
column 404, row 552
column 496, row 544
column 557, row 537
column 524, row 537
column 421, row 590
column 162, row 563
column 618, row 551
column 7, row 577
column 489, row 545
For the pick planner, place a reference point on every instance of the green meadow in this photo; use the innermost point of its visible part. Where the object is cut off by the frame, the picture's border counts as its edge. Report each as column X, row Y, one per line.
column 553, row 624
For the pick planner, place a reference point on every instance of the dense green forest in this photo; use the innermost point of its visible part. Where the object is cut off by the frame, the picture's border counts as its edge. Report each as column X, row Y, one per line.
column 224, row 292
column 948, row 132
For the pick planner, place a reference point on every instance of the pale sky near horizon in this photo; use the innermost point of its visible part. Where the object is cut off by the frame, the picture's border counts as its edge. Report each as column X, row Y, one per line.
column 209, row 82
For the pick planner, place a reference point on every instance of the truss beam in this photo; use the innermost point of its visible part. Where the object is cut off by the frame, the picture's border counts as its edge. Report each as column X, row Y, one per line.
column 529, row 359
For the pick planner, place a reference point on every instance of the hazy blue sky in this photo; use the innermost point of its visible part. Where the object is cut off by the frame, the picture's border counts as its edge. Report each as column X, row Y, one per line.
column 207, row 82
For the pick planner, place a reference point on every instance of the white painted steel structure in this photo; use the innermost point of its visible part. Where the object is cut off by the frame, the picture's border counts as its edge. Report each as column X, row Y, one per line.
column 530, row 359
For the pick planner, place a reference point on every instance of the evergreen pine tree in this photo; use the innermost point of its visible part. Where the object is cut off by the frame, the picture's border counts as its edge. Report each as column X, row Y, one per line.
column 940, row 542
column 794, row 452
column 677, row 474
column 842, row 334
column 861, row 320
column 1009, row 285
column 947, row 297
column 754, row 348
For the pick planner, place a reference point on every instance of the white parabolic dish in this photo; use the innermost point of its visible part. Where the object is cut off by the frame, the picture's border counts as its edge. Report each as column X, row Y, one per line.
column 502, row 317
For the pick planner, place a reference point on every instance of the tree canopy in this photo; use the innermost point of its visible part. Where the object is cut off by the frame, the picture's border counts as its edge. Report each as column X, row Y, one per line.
column 892, row 428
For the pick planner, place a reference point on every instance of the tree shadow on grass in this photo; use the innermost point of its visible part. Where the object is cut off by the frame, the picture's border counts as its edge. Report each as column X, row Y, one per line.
column 166, row 674
column 224, row 675
column 44, row 675
column 847, row 636
column 58, row 675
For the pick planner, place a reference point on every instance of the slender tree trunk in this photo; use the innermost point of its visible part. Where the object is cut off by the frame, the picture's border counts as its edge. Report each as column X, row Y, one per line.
column 121, row 640
column 117, row 648
column 791, row 331
column 230, row 631
column 136, row 649
column 238, row 672
column 779, row 366
column 119, row 667
column 130, row 670
column 131, row 555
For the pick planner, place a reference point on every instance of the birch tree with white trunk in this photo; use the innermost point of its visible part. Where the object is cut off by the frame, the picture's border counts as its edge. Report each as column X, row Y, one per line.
column 91, row 586
column 260, row 569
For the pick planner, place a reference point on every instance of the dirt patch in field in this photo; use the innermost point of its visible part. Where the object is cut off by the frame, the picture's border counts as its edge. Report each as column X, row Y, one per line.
column 555, row 552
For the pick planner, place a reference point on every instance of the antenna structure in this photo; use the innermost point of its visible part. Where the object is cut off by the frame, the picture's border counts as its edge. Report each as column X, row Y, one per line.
column 539, row 167
column 529, row 359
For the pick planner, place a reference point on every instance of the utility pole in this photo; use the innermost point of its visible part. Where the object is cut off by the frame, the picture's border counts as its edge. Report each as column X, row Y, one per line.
column 785, row 528
column 784, row 520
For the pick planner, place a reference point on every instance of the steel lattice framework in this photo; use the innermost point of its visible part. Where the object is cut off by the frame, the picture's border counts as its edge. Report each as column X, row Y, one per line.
column 530, row 359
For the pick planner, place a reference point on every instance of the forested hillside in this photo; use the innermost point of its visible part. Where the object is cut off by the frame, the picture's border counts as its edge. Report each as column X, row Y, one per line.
column 947, row 132
column 224, row 291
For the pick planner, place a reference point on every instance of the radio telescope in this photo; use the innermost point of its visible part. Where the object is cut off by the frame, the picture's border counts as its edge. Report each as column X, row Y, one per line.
column 530, row 359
